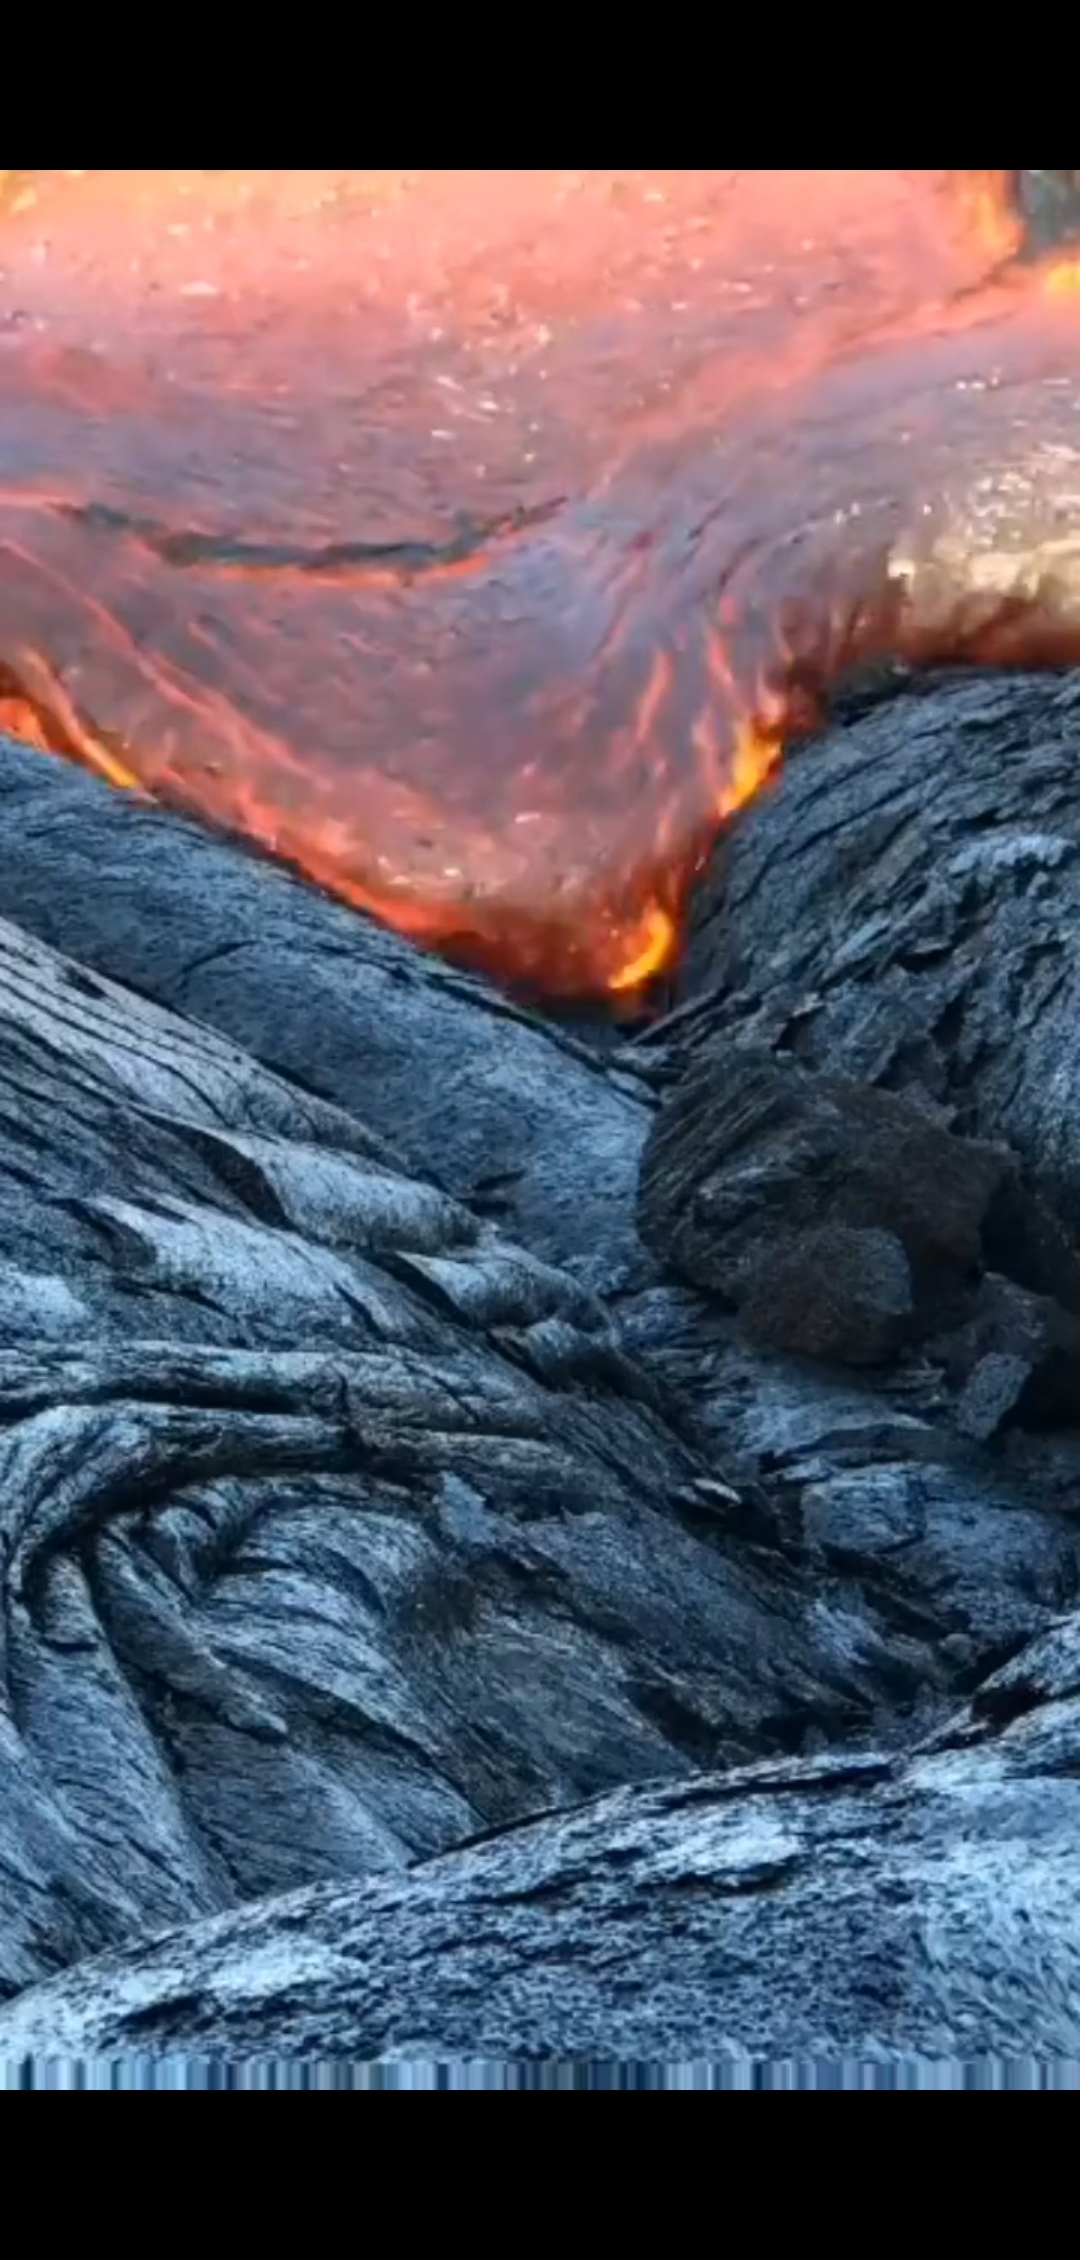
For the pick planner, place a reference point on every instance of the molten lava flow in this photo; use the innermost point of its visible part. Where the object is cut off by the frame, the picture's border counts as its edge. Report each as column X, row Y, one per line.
column 474, row 539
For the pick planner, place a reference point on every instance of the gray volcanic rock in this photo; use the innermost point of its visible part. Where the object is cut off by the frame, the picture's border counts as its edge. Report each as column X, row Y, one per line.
column 838, row 1219
column 504, row 1109
column 867, row 1908
column 336, row 1526
column 333, row 1525
column 904, row 911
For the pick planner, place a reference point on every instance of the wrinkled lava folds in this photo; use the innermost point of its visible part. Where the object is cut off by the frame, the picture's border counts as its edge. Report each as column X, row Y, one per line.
column 473, row 539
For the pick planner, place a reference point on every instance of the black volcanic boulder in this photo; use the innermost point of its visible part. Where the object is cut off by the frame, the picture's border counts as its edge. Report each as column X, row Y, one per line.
column 840, row 1221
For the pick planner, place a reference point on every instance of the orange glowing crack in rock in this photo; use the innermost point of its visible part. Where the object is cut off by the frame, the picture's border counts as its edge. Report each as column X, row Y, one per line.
column 474, row 539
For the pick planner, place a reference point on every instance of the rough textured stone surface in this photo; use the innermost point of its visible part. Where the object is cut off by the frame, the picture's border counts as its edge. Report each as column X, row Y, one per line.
column 1017, row 1361
column 840, row 1220
column 839, row 1907
column 333, row 1525
column 352, row 1502
column 904, row 910
column 511, row 1113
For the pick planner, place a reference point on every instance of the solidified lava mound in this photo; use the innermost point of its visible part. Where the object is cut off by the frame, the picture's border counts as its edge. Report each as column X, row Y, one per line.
column 472, row 539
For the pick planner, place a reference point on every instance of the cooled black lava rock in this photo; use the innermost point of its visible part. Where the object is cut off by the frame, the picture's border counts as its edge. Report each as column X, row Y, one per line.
column 840, row 1221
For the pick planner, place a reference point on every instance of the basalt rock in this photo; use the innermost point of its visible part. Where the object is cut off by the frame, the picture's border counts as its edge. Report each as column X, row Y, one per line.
column 882, row 1911
column 840, row 1220
column 343, row 1517
column 1015, row 1362
column 334, row 1526
column 903, row 910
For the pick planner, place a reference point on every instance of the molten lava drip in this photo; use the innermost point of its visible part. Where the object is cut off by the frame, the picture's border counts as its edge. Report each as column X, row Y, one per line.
column 473, row 539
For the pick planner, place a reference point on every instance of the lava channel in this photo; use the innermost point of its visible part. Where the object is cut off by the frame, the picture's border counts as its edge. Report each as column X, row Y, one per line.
column 473, row 540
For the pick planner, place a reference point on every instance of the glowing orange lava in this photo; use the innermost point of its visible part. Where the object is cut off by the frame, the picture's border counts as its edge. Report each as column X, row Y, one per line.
column 474, row 539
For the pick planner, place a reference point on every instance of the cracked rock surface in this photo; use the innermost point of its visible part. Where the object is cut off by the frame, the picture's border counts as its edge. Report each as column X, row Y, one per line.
column 417, row 1423
column 863, row 1907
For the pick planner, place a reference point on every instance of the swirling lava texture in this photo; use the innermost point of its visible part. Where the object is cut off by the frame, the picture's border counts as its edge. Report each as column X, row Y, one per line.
column 474, row 539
